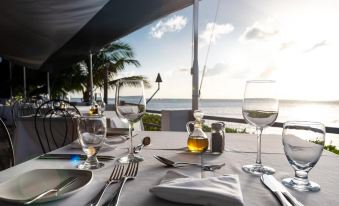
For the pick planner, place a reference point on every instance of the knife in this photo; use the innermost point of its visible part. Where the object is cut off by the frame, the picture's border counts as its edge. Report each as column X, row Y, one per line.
column 267, row 180
column 284, row 191
column 74, row 157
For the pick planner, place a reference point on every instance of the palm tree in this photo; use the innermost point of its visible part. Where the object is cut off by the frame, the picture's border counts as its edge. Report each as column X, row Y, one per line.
column 107, row 63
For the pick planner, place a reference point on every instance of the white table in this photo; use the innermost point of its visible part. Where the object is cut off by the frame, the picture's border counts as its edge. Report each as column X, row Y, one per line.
column 240, row 150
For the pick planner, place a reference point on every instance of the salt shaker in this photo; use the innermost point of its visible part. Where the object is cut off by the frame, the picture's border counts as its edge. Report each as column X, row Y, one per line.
column 218, row 137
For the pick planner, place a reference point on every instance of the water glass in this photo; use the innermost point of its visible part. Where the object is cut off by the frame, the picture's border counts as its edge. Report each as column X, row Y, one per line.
column 303, row 144
column 92, row 132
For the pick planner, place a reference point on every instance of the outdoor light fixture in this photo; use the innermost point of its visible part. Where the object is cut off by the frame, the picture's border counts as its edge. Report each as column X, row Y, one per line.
column 158, row 80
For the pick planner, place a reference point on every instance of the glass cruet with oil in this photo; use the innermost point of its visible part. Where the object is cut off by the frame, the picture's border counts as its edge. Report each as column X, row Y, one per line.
column 197, row 140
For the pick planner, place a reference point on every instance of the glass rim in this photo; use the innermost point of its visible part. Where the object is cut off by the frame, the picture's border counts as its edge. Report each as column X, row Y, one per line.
column 261, row 81
column 298, row 122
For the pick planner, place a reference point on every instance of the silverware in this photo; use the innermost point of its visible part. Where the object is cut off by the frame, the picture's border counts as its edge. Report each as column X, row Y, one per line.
column 116, row 175
column 130, row 174
column 74, row 156
column 181, row 164
column 145, row 141
column 267, row 180
column 63, row 185
column 284, row 191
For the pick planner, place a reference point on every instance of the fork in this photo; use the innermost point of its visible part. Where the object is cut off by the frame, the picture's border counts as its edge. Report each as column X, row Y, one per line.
column 130, row 174
column 117, row 174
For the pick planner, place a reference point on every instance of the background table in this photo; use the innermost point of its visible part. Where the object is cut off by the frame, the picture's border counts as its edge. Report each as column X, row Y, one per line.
column 240, row 150
column 25, row 141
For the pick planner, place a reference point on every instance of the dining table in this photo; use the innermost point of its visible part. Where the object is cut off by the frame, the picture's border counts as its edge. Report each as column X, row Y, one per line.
column 240, row 149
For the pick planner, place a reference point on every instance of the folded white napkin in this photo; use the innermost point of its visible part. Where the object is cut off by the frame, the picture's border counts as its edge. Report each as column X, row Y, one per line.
column 212, row 191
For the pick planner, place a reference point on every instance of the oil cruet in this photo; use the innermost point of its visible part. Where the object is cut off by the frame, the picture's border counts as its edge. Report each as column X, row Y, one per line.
column 197, row 140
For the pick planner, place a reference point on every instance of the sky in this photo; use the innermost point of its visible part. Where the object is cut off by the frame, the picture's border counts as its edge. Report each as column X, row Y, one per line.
column 293, row 42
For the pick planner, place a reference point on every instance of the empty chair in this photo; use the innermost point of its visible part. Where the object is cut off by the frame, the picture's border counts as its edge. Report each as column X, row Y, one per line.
column 22, row 109
column 6, row 148
column 55, row 124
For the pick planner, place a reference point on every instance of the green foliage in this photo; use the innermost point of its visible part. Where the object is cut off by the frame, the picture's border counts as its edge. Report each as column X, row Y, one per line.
column 207, row 128
column 331, row 148
column 149, row 119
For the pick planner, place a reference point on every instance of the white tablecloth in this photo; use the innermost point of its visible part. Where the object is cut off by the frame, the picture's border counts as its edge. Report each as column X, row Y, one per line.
column 240, row 150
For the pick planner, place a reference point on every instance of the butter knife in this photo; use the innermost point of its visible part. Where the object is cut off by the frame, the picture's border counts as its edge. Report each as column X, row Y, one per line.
column 267, row 180
column 74, row 156
column 63, row 185
column 284, row 191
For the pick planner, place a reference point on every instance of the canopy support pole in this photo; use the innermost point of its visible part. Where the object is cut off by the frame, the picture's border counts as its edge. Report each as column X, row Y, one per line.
column 91, row 77
column 106, row 86
column 195, row 69
column 25, row 94
column 10, row 79
column 48, row 87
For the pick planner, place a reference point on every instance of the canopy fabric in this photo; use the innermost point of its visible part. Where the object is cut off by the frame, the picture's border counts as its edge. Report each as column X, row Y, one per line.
column 49, row 35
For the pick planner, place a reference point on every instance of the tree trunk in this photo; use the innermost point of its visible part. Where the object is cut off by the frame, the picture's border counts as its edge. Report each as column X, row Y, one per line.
column 106, row 86
column 86, row 93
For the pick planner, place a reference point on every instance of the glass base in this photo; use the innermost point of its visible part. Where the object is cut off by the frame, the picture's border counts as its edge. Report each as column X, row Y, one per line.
column 87, row 166
column 301, row 185
column 258, row 169
column 130, row 158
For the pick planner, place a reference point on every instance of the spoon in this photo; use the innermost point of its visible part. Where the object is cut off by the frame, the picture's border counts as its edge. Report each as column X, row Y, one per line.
column 145, row 141
column 171, row 163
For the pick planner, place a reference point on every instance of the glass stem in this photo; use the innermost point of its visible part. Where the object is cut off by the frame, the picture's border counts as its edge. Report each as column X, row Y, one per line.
column 259, row 132
column 302, row 176
column 130, row 127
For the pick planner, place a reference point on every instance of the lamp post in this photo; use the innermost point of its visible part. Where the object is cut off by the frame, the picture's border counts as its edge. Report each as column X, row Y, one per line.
column 158, row 80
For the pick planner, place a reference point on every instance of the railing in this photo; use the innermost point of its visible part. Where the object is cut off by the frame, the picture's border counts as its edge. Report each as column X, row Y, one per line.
column 333, row 130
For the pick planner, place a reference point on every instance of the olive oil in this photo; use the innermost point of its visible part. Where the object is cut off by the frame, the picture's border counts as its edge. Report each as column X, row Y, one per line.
column 93, row 109
column 197, row 144
column 197, row 141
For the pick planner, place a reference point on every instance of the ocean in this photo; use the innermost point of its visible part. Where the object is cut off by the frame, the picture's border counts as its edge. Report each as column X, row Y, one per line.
column 289, row 110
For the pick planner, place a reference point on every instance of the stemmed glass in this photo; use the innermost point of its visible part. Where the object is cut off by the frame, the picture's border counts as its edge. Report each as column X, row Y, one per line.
column 92, row 132
column 260, row 109
column 130, row 105
column 303, row 144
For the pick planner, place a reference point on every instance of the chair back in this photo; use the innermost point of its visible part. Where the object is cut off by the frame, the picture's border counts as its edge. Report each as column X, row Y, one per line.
column 21, row 109
column 6, row 148
column 55, row 124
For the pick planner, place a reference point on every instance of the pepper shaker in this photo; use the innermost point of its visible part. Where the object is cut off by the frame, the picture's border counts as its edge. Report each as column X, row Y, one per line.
column 218, row 137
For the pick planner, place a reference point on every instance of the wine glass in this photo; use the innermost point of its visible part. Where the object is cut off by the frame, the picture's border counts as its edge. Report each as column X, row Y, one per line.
column 303, row 144
column 260, row 109
column 130, row 106
column 92, row 132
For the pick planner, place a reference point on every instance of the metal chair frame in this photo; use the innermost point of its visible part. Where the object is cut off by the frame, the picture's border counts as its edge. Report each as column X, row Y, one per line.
column 6, row 137
column 46, row 111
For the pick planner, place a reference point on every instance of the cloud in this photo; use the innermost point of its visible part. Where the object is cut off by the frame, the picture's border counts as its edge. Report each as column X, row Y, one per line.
column 317, row 45
column 173, row 24
column 214, row 31
column 183, row 70
column 267, row 73
column 218, row 69
column 286, row 45
column 258, row 32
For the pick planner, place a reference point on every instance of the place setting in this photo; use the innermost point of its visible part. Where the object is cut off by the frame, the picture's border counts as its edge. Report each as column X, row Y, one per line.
column 169, row 103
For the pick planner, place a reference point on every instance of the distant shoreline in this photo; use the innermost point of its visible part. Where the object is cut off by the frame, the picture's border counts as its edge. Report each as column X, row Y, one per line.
column 237, row 100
